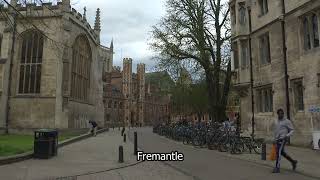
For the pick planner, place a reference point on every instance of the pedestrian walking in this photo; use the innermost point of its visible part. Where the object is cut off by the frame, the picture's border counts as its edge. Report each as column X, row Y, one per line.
column 94, row 127
column 283, row 130
column 123, row 129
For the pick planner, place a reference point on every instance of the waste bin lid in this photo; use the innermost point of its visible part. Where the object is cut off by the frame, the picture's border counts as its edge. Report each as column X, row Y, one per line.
column 46, row 130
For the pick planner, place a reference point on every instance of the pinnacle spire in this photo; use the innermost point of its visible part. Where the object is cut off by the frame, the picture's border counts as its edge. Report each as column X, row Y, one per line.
column 97, row 24
column 85, row 13
column 111, row 45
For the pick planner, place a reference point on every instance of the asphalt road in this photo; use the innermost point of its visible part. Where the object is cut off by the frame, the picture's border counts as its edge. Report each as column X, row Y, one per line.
column 203, row 164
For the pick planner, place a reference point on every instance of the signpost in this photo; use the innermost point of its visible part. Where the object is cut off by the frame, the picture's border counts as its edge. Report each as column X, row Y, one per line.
column 315, row 125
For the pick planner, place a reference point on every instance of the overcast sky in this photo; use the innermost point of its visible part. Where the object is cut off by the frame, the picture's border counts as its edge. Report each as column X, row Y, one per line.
column 128, row 22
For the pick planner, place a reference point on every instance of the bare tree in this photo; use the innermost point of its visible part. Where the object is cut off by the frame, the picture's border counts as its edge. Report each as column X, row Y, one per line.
column 197, row 31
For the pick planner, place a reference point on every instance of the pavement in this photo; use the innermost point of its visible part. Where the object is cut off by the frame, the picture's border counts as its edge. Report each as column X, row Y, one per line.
column 308, row 160
column 92, row 159
column 204, row 164
column 96, row 158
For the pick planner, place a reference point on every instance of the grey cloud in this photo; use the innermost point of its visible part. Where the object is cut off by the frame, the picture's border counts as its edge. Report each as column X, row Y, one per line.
column 128, row 22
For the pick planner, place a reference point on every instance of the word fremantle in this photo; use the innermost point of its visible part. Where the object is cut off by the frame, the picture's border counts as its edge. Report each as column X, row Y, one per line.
column 173, row 156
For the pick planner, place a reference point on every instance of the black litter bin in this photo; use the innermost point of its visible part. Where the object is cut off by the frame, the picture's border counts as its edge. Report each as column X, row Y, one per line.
column 45, row 143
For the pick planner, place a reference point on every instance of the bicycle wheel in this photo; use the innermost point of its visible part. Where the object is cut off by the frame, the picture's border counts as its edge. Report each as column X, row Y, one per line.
column 224, row 146
column 196, row 141
column 237, row 147
column 186, row 140
column 257, row 147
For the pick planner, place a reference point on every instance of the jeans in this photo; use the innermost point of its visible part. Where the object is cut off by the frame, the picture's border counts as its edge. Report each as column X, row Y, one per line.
column 94, row 131
column 280, row 144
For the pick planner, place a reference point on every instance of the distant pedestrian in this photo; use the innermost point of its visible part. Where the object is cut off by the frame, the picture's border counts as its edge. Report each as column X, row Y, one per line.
column 94, row 127
column 283, row 130
column 123, row 129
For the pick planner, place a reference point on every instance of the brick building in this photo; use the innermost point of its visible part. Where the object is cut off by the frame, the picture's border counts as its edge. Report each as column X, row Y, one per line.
column 131, row 100
column 280, row 38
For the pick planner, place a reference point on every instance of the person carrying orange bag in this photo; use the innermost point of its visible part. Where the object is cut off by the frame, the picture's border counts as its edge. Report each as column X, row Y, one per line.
column 283, row 130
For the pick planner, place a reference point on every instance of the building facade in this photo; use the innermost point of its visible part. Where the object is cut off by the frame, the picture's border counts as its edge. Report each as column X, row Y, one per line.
column 52, row 77
column 130, row 100
column 275, row 46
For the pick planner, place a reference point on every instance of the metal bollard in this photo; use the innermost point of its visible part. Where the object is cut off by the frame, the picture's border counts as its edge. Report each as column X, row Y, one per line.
column 124, row 138
column 120, row 154
column 264, row 151
column 135, row 143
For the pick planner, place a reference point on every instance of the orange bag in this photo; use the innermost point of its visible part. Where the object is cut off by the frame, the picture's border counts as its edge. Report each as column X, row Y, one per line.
column 273, row 154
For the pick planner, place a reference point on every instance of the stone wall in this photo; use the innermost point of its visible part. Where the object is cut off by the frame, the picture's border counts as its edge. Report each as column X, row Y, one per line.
column 53, row 107
column 301, row 64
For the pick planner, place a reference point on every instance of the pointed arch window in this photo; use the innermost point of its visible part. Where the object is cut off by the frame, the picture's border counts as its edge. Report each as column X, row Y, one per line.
column 315, row 29
column 30, row 63
column 80, row 72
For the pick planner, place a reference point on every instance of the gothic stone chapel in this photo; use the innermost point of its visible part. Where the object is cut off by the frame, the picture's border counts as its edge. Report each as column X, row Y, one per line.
column 54, row 78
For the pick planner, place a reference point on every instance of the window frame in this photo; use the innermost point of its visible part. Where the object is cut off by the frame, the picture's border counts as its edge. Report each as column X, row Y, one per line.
column 81, row 69
column 310, row 35
column 110, row 104
column 1, row 39
column 300, row 106
column 263, row 7
column 306, row 34
column 264, row 49
column 233, row 15
column 1, row 78
column 235, row 50
column 244, row 63
column 242, row 15
column 265, row 103
column 315, row 30
column 23, row 51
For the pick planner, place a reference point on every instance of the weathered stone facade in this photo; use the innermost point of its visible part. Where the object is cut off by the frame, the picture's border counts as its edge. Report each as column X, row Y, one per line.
column 301, row 30
column 130, row 100
column 71, row 86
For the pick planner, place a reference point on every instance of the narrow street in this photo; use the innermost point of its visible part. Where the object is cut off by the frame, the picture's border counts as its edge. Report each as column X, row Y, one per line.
column 204, row 164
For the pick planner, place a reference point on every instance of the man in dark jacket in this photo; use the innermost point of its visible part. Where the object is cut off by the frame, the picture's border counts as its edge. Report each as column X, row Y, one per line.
column 94, row 127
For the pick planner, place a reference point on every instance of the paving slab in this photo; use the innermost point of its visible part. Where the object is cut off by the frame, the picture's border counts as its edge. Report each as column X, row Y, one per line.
column 95, row 154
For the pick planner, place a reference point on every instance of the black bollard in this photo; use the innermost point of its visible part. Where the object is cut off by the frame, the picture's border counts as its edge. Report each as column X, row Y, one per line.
column 135, row 143
column 264, row 151
column 120, row 154
column 124, row 138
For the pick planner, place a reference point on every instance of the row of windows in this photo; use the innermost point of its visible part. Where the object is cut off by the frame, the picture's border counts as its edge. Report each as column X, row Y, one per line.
column 202, row 118
column 264, row 97
column 31, row 57
column 264, row 51
column 310, row 40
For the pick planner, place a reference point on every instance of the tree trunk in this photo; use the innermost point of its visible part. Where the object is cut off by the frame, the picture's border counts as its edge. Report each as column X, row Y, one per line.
column 218, row 100
column 211, row 94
